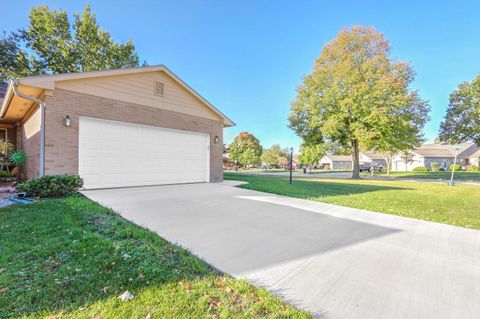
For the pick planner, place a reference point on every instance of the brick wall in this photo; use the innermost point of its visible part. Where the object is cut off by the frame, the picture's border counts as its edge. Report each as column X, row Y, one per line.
column 61, row 142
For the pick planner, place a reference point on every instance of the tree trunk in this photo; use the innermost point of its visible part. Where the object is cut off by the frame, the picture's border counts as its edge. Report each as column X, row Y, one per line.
column 356, row 160
column 389, row 159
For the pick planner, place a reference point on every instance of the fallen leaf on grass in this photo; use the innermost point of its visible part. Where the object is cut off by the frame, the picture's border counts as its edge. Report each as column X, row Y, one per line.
column 127, row 295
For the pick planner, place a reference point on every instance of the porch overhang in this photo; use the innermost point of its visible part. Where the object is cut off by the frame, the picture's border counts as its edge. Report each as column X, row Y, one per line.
column 15, row 108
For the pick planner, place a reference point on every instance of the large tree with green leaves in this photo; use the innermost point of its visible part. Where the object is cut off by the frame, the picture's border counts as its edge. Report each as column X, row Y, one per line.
column 462, row 120
column 50, row 44
column 245, row 149
column 358, row 97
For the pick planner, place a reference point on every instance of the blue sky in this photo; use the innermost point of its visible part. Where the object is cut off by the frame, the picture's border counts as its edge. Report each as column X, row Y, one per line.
column 246, row 57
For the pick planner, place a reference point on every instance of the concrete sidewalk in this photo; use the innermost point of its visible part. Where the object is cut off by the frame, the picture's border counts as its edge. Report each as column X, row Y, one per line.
column 336, row 262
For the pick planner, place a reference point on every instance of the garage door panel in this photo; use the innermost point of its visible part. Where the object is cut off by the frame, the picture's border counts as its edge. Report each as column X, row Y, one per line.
column 117, row 154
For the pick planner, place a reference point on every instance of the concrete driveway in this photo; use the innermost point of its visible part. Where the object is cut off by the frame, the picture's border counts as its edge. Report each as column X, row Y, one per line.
column 336, row 262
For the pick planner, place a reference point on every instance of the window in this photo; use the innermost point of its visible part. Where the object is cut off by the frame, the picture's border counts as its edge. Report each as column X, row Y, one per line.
column 3, row 134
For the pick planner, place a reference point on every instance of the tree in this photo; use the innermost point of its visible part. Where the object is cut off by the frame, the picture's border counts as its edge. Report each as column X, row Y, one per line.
column 274, row 156
column 357, row 96
column 245, row 149
column 50, row 45
column 462, row 120
column 407, row 158
column 311, row 154
column 14, row 61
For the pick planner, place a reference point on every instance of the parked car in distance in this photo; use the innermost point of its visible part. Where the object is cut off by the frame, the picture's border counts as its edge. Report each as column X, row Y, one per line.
column 367, row 167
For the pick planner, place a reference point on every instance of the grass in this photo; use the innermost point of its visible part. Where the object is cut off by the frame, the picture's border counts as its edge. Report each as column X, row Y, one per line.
column 72, row 258
column 461, row 175
column 427, row 201
column 252, row 171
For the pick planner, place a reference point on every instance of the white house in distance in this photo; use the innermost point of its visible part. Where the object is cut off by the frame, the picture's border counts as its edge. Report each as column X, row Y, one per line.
column 345, row 161
column 444, row 154
column 336, row 162
column 372, row 157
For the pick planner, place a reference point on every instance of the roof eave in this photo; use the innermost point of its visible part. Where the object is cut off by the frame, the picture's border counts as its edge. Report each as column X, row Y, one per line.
column 6, row 99
column 50, row 85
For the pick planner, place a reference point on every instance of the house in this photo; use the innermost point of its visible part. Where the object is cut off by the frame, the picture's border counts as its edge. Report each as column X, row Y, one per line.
column 372, row 157
column 474, row 159
column 336, row 162
column 115, row 128
column 444, row 154
column 346, row 162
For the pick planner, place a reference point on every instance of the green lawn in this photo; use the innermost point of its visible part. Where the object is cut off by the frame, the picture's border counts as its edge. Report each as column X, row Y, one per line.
column 71, row 258
column 462, row 175
column 428, row 201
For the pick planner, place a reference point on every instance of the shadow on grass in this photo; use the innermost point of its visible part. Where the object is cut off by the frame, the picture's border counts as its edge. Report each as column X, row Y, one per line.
column 64, row 254
column 461, row 175
column 308, row 189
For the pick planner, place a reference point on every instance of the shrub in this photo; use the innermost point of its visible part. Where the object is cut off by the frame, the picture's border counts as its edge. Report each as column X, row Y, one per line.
column 434, row 166
column 4, row 174
column 51, row 186
column 420, row 169
column 441, row 169
column 473, row 167
column 457, row 167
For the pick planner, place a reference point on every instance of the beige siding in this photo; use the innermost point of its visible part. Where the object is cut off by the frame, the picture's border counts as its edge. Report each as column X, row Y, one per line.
column 138, row 89
column 28, row 140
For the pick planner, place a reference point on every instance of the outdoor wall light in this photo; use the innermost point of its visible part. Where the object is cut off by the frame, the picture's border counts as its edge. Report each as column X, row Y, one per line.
column 67, row 121
column 215, row 139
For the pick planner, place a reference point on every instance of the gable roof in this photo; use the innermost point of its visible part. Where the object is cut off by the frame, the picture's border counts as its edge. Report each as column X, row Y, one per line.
column 476, row 154
column 340, row 158
column 373, row 155
column 444, row 150
column 47, row 82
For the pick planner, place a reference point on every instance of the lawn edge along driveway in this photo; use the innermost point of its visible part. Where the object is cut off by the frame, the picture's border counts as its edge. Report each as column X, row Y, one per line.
column 72, row 258
column 437, row 202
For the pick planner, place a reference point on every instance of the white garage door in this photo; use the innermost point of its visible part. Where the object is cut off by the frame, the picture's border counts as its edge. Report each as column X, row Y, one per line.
column 117, row 154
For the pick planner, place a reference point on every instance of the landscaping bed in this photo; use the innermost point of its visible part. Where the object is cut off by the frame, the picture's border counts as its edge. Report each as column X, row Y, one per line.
column 73, row 258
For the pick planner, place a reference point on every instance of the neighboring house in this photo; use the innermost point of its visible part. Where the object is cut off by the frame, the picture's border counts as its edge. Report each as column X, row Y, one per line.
column 474, row 159
column 124, row 127
column 336, row 162
column 444, row 154
column 346, row 162
column 369, row 157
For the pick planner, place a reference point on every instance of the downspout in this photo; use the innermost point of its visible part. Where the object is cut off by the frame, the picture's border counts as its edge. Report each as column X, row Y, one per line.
column 41, row 103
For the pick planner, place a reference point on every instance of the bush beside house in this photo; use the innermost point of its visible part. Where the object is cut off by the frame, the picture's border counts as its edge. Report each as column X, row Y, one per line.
column 420, row 169
column 51, row 186
column 434, row 166
column 457, row 167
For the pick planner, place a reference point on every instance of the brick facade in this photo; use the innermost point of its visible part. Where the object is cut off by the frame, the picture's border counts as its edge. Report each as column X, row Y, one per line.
column 61, row 142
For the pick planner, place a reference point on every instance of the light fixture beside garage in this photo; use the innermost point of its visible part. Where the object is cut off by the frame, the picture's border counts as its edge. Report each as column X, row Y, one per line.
column 67, row 121
column 215, row 139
